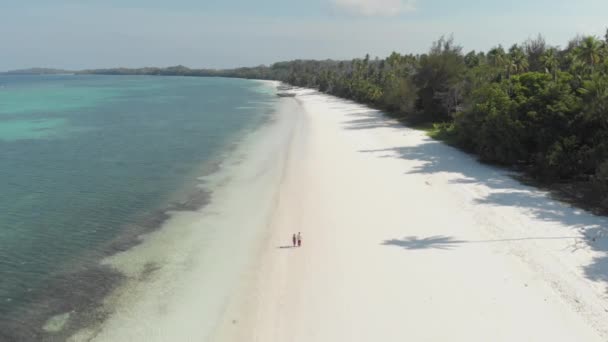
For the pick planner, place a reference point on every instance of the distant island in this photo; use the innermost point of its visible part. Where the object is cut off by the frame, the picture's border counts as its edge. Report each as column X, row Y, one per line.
column 277, row 71
column 259, row 72
column 37, row 71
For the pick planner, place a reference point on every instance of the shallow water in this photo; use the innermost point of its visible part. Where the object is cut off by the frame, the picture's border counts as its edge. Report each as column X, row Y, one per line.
column 88, row 161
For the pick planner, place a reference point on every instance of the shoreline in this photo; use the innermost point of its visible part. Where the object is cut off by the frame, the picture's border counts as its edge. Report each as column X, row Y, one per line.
column 178, row 259
column 60, row 311
column 408, row 238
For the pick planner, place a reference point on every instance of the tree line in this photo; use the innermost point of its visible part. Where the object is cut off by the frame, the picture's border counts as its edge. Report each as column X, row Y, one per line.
column 541, row 108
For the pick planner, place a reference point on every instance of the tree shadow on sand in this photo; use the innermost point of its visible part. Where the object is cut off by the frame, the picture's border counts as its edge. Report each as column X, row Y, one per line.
column 365, row 118
column 432, row 157
column 432, row 242
column 448, row 242
column 361, row 116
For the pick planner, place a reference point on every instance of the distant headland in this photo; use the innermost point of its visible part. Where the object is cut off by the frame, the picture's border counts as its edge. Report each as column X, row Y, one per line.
column 259, row 72
column 37, row 71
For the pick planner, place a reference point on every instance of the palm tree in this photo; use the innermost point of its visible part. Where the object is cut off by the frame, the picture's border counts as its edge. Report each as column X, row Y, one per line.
column 578, row 69
column 550, row 62
column 497, row 57
column 519, row 60
column 595, row 95
column 589, row 51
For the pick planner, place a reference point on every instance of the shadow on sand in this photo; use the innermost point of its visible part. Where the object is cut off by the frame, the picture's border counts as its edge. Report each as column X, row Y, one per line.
column 447, row 242
column 431, row 242
column 368, row 123
column 286, row 247
column 363, row 117
column 435, row 157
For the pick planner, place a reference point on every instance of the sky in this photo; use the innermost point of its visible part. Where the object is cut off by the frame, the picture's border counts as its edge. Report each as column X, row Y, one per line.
column 79, row 34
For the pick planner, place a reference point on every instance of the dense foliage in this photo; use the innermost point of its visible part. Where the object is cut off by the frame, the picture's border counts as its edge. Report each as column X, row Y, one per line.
column 536, row 106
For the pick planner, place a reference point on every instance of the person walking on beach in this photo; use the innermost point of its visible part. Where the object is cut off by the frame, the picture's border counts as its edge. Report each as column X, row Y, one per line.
column 293, row 239
column 299, row 239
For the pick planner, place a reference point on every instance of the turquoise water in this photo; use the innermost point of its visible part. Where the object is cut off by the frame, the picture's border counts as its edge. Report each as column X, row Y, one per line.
column 83, row 158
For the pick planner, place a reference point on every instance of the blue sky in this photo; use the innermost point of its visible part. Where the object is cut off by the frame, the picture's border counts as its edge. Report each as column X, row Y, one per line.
column 76, row 34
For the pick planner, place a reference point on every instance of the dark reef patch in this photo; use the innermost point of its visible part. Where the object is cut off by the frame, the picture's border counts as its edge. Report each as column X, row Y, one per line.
column 81, row 288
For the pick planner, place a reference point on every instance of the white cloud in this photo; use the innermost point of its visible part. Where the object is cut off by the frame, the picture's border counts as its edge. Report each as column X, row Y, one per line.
column 375, row 7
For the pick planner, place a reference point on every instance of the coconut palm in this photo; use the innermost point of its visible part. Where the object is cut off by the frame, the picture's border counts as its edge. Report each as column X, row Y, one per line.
column 595, row 95
column 589, row 51
column 518, row 61
column 550, row 62
column 578, row 69
column 497, row 57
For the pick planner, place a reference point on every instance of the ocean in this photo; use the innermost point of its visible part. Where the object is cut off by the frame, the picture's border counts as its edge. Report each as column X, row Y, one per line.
column 88, row 164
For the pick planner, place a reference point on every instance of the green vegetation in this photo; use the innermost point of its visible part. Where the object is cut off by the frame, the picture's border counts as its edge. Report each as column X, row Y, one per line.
column 537, row 107
column 37, row 71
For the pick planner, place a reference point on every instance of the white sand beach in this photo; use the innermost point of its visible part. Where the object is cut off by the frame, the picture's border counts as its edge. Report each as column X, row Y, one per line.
column 404, row 239
column 407, row 239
